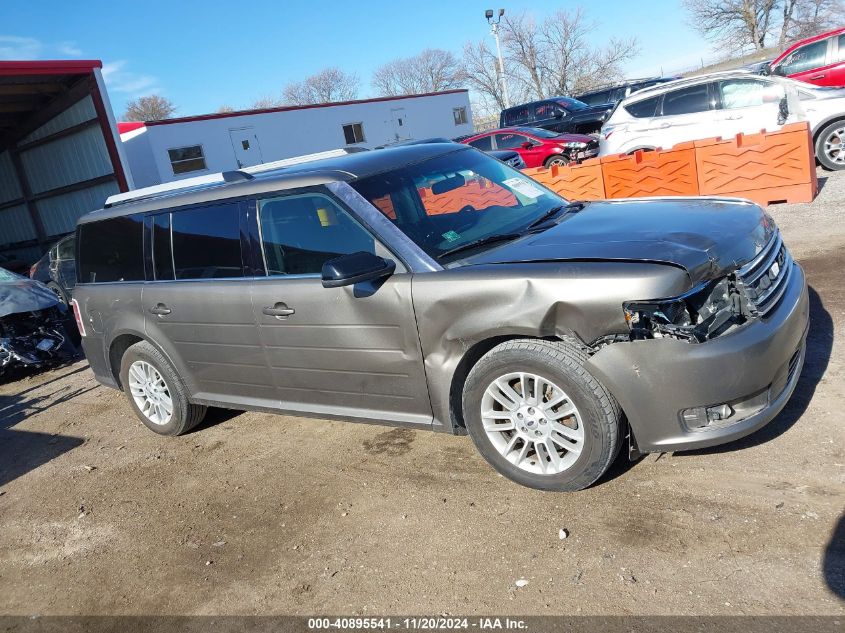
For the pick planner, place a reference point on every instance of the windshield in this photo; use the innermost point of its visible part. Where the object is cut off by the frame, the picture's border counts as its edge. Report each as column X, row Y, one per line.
column 7, row 275
column 539, row 132
column 569, row 103
column 451, row 200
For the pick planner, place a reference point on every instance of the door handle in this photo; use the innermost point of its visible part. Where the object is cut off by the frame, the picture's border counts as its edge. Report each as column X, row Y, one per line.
column 280, row 310
column 160, row 309
column 663, row 126
column 819, row 76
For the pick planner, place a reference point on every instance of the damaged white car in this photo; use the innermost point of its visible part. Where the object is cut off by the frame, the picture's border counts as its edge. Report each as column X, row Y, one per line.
column 35, row 330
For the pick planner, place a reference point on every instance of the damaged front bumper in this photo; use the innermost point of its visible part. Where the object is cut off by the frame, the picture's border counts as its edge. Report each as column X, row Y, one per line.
column 34, row 339
column 682, row 396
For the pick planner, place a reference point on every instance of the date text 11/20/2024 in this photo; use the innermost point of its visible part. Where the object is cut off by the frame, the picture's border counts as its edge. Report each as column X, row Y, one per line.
column 418, row 623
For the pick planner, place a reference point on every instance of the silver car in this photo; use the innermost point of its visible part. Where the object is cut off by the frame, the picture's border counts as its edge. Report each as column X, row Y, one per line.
column 435, row 287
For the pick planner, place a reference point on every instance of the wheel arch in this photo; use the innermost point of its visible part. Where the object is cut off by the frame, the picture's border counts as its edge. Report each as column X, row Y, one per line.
column 469, row 360
column 121, row 342
column 832, row 119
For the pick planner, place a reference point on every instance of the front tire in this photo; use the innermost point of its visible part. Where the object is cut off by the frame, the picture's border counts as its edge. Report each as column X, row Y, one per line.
column 561, row 160
column 155, row 392
column 830, row 146
column 539, row 417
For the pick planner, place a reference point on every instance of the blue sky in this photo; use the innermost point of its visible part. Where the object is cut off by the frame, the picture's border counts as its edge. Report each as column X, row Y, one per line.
column 205, row 54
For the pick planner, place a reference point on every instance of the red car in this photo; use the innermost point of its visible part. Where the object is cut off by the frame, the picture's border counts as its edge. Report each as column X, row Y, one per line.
column 538, row 147
column 817, row 60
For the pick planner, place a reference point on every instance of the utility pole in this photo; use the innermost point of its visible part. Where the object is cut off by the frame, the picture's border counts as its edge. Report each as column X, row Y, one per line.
column 494, row 29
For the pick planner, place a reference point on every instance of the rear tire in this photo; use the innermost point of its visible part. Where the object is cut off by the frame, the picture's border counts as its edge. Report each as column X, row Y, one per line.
column 830, row 146
column 561, row 406
column 156, row 393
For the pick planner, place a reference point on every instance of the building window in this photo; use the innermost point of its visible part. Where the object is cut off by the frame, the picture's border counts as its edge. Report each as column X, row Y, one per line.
column 353, row 133
column 186, row 159
column 460, row 115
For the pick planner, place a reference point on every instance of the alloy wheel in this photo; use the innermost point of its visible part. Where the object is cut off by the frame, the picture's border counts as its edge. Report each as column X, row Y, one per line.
column 532, row 422
column 833, row 145
column 150, row 392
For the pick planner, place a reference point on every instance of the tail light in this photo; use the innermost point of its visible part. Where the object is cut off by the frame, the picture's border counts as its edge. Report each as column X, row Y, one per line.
column 78, row 316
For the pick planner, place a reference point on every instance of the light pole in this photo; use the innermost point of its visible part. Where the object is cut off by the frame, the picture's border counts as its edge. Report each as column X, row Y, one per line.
column 494, row 29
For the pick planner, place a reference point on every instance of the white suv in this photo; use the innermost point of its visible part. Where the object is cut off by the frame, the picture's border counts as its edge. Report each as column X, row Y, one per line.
column 724, row 104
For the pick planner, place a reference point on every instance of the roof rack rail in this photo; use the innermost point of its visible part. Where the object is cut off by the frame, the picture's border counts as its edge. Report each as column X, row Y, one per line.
column 209, row 180
column 237, row 176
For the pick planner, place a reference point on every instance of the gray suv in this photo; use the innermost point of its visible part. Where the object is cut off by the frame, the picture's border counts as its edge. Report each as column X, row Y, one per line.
column 435, row 287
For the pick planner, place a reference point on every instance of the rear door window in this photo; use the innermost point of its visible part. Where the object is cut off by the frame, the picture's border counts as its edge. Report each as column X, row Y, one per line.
column 302, row 232
column 518, row 115
column 687, row 100
column 112, row 250
column 643, row 109
column 206, row 242
column 485, row 143
column 510, row 141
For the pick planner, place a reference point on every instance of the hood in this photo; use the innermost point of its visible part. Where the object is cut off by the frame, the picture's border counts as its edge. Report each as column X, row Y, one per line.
column 708, row 237
column 25, row 295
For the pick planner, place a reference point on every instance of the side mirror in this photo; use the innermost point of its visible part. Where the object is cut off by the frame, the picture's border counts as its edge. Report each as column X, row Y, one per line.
column 347, row 270
column 527, row 145
column 766, row 70
column 783, row 110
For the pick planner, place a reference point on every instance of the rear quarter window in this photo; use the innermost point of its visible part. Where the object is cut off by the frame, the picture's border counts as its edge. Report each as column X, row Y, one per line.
column 518, row 115
column 643, row 109
column 111, row 250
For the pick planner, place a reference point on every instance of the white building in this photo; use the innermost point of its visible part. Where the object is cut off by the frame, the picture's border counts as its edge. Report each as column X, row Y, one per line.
column 163, row 151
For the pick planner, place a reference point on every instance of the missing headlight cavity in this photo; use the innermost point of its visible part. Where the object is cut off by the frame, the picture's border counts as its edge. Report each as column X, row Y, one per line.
column 705, row 312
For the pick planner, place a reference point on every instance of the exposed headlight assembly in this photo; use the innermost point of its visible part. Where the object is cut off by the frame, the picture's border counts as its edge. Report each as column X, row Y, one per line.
column 706, row 311
column 575, row 144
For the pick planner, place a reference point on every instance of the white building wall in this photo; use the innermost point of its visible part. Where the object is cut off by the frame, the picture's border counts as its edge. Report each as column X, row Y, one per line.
column 293, row 132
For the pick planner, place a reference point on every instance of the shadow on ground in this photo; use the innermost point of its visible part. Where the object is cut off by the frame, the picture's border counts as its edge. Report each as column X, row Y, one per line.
column 23, row 451
column 833, row 565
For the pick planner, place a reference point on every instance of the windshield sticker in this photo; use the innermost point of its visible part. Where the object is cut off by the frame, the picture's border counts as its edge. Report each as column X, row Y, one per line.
column 524, row 187
column 451, row 236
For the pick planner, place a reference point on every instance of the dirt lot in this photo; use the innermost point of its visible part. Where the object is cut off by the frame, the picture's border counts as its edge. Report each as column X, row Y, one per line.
column 255, row 513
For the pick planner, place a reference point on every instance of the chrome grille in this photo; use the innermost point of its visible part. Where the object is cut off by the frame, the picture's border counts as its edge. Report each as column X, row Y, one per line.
column 765, row 277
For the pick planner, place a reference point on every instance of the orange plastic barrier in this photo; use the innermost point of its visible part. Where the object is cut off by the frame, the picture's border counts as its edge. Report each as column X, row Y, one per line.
column 574, row 182
column 478, row 194
column 661, row 172
column 766, row 167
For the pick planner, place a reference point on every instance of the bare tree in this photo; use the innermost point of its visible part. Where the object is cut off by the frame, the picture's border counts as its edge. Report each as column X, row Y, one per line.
column 557, row 56
column 330, row 84
column 432, row 70
column 149, row 108
column 267, row 101
column 225, row 108
column 481, row 73
column 815, row 16
column 734, row 22
column 739, row 23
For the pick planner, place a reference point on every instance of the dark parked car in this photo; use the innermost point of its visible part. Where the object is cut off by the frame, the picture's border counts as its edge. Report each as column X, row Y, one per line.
column 559, row 114
column 434, row 287
column 614, row 93
column 35, row 329
column 57, row 268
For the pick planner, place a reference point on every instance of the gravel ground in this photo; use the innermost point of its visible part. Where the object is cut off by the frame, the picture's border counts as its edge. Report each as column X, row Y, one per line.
column 254, row 513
